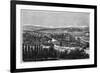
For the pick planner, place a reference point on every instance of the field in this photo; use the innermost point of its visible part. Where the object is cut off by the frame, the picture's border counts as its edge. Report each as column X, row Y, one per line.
column 44, row 44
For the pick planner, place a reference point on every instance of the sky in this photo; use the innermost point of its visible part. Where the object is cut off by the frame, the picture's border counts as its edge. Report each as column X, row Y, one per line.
column 54, row 19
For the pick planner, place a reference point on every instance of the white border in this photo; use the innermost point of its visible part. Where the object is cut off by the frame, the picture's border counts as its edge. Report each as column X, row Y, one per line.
column 21, row 65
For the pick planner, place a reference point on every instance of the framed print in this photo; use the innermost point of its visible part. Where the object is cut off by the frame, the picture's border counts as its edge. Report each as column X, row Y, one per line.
column 52, row 36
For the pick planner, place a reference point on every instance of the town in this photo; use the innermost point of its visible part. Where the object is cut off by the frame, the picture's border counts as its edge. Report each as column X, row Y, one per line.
column 42, row 45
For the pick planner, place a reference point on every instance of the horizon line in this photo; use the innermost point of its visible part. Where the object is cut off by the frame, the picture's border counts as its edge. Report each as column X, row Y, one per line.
column 53, row 26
